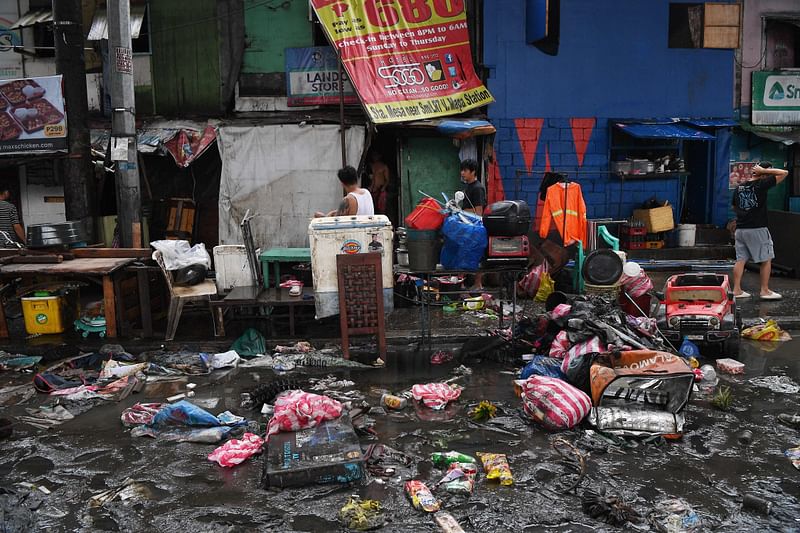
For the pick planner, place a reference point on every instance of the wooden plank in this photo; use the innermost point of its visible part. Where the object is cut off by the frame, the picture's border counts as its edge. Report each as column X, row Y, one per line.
column 110, row 307
column 37, row 259
column 106, row 253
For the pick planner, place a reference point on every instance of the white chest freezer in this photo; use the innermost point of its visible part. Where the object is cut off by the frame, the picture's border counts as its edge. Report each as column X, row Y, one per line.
column 332, row 236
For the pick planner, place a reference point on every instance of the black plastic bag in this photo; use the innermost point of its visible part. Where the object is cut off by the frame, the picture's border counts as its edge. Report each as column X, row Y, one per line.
column 190, row 275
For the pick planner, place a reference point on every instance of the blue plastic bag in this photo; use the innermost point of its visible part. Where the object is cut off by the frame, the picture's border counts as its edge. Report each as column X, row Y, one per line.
column 183, row 413
column 689, row 349
column 543, row 366
column 465, row 242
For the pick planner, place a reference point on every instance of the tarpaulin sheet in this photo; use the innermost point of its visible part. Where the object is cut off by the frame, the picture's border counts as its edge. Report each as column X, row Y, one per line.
column 406, row 60
column 664, row 131
column 282, row 173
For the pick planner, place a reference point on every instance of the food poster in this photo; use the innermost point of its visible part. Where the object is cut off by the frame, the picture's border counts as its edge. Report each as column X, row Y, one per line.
column 32, row 117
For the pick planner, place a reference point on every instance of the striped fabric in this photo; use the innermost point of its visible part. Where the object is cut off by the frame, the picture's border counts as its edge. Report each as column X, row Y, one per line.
column 553, row 403
column 8, row 217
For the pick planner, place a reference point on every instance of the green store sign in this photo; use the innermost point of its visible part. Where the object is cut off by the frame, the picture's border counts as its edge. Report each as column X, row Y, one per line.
column 776, row 98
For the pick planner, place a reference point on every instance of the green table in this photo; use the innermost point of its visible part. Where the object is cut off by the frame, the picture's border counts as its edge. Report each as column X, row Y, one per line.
column 276, row 256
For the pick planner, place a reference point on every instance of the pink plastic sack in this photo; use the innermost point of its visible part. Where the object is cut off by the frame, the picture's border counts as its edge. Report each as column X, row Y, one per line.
column 297, row 410
column 236, row 451
column 593, row 345
column 435, row 395
column 560, row 345
column 140, row 413
column 553, row 403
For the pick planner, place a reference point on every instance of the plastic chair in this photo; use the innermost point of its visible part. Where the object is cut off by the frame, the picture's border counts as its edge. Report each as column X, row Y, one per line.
column 180, row 295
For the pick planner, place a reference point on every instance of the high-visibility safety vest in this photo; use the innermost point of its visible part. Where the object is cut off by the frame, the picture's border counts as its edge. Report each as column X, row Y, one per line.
column 553, row 213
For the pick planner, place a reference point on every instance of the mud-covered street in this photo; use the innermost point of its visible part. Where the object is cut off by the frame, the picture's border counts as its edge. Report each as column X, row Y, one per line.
column 177, row 489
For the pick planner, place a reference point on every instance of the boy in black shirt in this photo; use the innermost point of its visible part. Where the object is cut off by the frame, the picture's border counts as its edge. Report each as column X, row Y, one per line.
column 753, row 240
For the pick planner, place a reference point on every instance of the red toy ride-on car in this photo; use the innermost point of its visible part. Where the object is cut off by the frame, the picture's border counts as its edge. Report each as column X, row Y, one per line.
column 700, row 307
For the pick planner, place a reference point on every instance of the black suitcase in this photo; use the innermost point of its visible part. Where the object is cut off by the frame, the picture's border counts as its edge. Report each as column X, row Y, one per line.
column 508, row 218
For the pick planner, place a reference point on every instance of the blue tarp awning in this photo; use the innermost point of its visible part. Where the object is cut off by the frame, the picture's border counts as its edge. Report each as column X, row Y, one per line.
column 672, row 130
column 712, row 122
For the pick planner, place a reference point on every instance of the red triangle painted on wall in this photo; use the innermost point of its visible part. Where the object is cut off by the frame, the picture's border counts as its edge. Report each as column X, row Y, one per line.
column 528, row 132
column 581, row 134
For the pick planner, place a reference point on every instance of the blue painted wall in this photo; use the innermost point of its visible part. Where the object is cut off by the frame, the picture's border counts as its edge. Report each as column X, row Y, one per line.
column 613, row 62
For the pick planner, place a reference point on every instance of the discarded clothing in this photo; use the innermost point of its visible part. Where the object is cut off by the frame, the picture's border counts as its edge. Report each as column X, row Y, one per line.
column 435, row 395
column 140, row 413
column 236, row 451
column 47, row 416
column 113, row 369
column 300, row 347
column 250, row 344
column 183, row 413
column 543, row 366
column 19, row 363
column 553, row 403
column 49, row 382
column 220, row 360
column 295, row 410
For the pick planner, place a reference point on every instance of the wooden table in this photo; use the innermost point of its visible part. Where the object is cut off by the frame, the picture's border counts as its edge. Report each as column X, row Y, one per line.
column 263, row 298
column 99, row 270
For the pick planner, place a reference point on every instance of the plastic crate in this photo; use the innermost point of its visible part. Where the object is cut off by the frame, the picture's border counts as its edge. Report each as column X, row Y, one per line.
column 43, row 314
column 633, row 231
column 653, row 245
column 635, row 245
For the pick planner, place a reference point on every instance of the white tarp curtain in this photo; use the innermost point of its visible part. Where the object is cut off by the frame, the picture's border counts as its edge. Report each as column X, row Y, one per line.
column 283, row 173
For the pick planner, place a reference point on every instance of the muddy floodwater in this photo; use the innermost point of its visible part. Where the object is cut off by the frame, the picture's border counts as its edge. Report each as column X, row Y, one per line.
column 711, row 467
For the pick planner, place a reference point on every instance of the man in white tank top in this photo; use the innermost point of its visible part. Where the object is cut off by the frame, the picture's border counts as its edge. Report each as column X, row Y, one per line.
column 357, row 201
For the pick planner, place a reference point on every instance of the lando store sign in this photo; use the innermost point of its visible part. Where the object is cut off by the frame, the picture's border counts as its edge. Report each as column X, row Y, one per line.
column 776, row 98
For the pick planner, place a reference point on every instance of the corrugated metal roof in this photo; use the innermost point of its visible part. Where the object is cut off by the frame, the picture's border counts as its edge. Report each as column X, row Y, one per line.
column 99, row 29
column 34, row 16
column 663, row 131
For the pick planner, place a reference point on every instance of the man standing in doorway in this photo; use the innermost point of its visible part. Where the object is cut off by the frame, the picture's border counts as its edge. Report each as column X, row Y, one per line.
column 753, row 240
column 12, row 234
column 474, row 190
column 474, row 201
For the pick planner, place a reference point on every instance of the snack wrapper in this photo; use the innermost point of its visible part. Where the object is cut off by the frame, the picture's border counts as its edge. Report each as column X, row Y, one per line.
column 460, row 478
column 496, row 467
column 421, row 497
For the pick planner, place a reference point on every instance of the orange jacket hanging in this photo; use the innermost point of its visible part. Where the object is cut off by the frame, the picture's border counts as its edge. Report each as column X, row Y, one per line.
column 553, row 212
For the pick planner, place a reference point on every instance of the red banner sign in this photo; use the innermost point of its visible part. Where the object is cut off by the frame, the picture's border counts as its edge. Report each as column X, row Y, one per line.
column 407, row 59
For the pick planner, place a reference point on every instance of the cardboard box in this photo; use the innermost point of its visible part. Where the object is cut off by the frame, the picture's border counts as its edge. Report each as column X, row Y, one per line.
column 328, row 453
column 656, row 220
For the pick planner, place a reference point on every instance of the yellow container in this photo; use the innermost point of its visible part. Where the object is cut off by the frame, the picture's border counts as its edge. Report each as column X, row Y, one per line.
column 43, row 314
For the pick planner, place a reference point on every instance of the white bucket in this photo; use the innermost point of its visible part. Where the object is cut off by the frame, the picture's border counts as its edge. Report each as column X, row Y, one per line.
column 686, row 235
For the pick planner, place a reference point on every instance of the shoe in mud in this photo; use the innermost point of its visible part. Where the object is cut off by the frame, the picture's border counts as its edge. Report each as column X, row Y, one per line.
column 790, row 420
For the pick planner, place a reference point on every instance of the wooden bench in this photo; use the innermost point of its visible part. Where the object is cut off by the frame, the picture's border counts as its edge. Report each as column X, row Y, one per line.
column 263, row 299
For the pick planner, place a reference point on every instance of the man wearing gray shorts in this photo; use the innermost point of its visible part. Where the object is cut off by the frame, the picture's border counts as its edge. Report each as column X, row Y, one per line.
column 753, row 240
